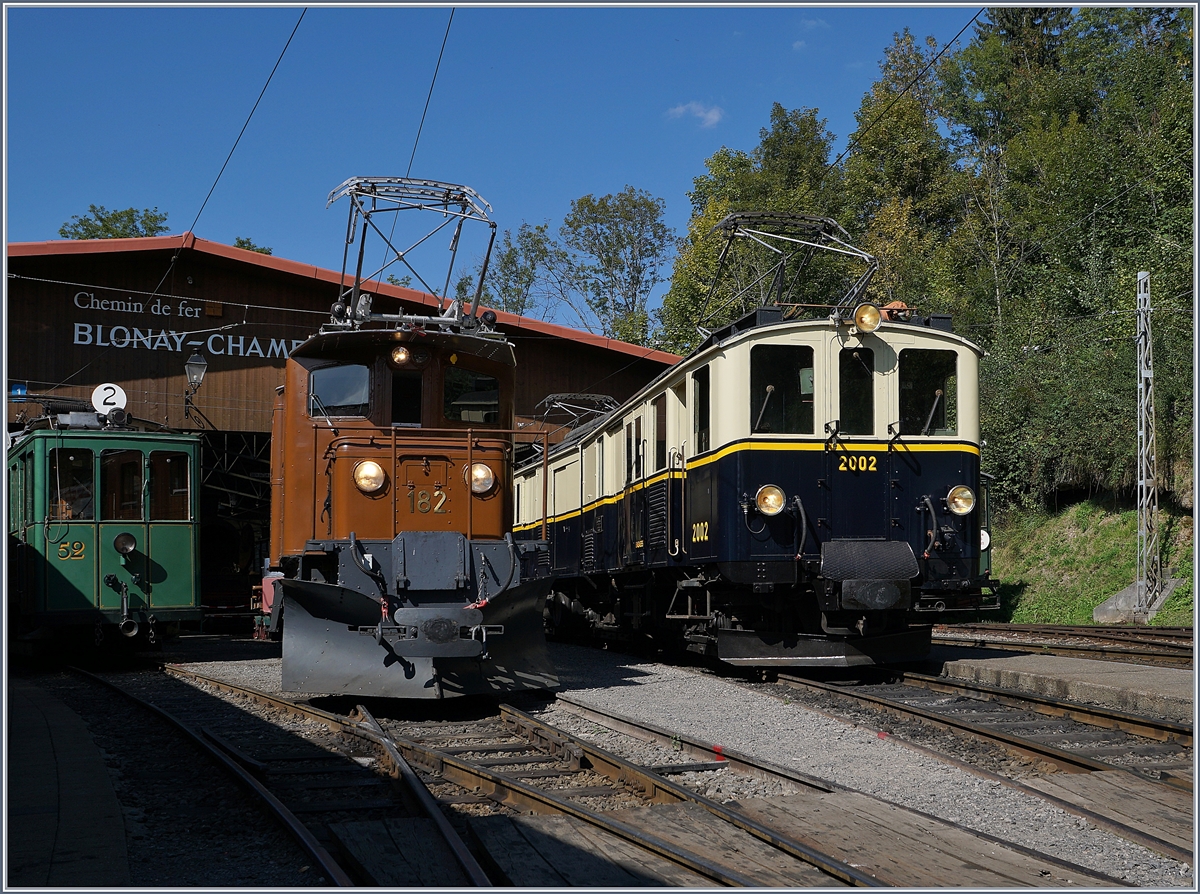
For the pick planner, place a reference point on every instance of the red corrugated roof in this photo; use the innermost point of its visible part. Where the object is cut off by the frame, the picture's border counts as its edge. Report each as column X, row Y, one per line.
column 189, row 240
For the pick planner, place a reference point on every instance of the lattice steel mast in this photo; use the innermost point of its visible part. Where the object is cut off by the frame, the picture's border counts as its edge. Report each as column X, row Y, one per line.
column 1149, row 581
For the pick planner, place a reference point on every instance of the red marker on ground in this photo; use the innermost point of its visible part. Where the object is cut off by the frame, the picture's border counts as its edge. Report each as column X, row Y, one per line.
column 719, row 751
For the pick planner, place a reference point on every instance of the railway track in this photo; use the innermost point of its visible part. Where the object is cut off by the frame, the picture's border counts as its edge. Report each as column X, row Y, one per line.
column 1166, row 646
column 1130, row 774
column 327, row 789
column 542, row 807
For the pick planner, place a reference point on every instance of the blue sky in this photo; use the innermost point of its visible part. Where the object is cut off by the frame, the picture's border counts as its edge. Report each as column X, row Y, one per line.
column 533, row 107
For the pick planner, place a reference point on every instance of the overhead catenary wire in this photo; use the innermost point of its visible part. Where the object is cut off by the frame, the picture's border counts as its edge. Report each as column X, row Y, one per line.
column 421, row 126
column 192, row 228
column 854, row 140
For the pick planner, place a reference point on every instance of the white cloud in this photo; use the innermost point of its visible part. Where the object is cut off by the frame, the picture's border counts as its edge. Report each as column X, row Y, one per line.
column 708, row 115
column 799, row 45
column 810, row 24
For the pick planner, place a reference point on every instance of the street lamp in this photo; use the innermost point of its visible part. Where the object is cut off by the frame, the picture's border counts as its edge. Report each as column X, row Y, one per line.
column 195, row 368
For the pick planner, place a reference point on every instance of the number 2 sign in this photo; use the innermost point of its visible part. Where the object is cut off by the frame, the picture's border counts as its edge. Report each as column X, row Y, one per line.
column 108, row 397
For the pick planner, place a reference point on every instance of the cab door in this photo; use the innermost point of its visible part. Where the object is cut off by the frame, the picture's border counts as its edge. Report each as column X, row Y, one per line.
column 123, row 511
column 856, row 458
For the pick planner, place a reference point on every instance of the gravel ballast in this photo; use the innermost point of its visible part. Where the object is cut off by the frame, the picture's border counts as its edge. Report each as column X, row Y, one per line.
column 808, row 742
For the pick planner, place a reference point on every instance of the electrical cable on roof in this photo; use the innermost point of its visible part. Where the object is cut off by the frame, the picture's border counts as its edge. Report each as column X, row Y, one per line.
column 192, row 228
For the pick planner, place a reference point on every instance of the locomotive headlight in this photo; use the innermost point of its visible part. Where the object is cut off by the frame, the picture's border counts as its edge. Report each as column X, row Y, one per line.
column 400, row 355
column 960, row 500
column 125, row 543
column 867, row 318
column 769, row 500
column 483, row 479
column 369, row 476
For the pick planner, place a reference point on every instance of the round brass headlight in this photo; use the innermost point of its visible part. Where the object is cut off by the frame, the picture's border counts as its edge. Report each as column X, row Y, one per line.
column 867, row 317
column 125, row 543
column 960, row 500
column 400, row 355
column 769, row 500
column 369, row 476
column 483, row 479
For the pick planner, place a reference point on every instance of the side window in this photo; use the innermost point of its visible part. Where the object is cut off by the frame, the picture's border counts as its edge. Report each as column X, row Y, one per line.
column 16, row 496
column 339, row 391
column 471, row 396
column 121, row 485
column 170, row 486
column 701, row 411
column 406, row 397
column 72, row 484
column 633, row 450
column 856, row 367
column 660, row 432
column 928, row 392
column 781, row 389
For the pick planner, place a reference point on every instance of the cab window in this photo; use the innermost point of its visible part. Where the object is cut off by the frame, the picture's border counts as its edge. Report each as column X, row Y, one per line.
column 339, row 391
column 121, row 485
column 781, row 389
column 470, row 396
column 170, row 486
column 406, row 397
column 72, row 483
column 928, row 392
column 856, row 391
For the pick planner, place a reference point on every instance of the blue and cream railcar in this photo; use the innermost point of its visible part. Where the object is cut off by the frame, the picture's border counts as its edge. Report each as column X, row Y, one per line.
column 103, row 529
column 794, row 492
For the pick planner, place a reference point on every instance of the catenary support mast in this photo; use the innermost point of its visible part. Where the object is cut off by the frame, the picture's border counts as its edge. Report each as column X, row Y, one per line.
column 1149, row 580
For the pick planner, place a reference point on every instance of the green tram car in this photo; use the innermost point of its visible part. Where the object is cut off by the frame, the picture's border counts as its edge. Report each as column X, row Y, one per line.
column 103, row 533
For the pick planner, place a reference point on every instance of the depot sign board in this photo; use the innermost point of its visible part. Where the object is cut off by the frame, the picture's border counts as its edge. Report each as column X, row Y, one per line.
column 223, row 340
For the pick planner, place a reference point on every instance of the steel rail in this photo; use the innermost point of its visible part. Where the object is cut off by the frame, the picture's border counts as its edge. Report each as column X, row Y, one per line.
column 693, row 747
column 367, row 729
column 763, row 769
column 660, row 789
column 324, row 860
column 428, row 803
column 1182, row 636
column 1064, row 760
column 514, row 793
column 1168, row 658
column 492, row 785
column 1092, row 715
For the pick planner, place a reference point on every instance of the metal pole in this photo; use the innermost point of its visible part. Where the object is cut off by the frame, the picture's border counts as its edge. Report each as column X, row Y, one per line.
column 1149, row 580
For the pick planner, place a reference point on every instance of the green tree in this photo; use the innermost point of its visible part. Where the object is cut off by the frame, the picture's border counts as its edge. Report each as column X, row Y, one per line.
column 618, row 248
column 248, row 244
column 526, row 272
column 100, row 223
column 787, row 171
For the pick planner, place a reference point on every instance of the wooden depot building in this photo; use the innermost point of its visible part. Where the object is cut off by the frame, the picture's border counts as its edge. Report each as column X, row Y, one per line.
column 131, row 312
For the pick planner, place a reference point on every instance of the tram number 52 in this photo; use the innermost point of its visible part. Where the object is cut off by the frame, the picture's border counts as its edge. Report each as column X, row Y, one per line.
column 74, row 550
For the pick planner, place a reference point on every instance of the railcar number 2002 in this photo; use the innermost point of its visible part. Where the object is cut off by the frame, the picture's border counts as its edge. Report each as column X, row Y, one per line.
column 851, row 463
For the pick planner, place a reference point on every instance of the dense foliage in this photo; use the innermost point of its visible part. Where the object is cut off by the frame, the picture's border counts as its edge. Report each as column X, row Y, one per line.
column 1019, row 182
column 100, row 223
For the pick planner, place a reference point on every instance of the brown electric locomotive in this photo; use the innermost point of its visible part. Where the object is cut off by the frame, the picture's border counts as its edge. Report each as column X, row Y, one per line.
column 393, row 569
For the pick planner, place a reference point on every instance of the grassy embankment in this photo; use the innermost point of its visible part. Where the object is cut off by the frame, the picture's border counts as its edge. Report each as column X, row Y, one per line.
column 1055, row 568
